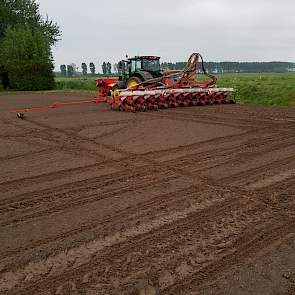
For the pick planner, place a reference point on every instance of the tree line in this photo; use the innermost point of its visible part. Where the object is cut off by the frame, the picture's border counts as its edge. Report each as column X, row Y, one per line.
column 72, row 70
column 26, row 61
column 238, row 67
column 212, row 67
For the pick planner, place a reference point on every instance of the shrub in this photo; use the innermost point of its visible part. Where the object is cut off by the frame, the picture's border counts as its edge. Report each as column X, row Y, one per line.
column 31, row 76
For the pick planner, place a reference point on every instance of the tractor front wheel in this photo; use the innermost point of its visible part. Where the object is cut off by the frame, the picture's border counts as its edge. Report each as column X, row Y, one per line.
column 133, row 82
column 115, row 91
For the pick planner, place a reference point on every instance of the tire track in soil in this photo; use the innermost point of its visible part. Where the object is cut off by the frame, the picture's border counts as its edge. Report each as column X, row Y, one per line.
column 252, row 235
column 68, row 144
column 283, row 186
column 106, row 133
column 92, row 191
column 77, row 142
column 30, row 140
column 283, row 172
column 241, row 123
column 247, row 111
column 114, row 150
column 78, row 203
column 69, row 148
column 170, row 165
column 145, row 229
column 290, row 227
column 248, row 246
column 76, row 185
column 213, row 147
column 7, row 186
column 279, row 197
column 241, row 178
column 266, row 121
column 64, row 140
column 244, row 114
column 106, row 225
column 144, row 157
column 101, row 124
column 185, row 165
column 230, row 156
column 45, row 139
column 199, row 162
column 125, row 123
column 220, row 143
column 173, row 233
column 10, row 185
column 178, row 267
column 21, row 156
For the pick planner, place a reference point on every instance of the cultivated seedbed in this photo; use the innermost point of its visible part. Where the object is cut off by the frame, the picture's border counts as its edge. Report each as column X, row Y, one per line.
column 197, row 200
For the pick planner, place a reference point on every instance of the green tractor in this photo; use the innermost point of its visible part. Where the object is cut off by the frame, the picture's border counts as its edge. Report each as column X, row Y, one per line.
column 138, row 69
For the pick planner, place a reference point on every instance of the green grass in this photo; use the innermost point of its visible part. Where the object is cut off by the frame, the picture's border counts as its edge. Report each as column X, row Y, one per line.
column 266, row 89
column 5, row 90
column 80, row 83
column 69, row 84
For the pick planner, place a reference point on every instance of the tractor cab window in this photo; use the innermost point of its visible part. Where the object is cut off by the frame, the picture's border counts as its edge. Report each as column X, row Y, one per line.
column 121, row 68
column 138, row 64
column 133, row 66
column 151, row 65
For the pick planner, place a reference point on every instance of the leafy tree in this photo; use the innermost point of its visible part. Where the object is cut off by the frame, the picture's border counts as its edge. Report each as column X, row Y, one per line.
column 63, row 70
column 4, row 77
column 92, row 68
column 104, row 68
column 19, row 17
column 75, row 68
column 26, row 12
column 109, row 68
column 115, row 68
column 26, row 56
column 70, row 70
column 84, row 68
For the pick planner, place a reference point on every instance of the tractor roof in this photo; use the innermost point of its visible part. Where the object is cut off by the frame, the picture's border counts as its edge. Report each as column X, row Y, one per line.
column 151, row 57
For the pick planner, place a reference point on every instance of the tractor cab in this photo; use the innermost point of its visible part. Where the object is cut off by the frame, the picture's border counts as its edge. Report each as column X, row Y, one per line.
column 138, row 69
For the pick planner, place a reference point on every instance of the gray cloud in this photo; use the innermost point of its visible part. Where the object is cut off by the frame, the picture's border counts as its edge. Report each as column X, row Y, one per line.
column 231, row 30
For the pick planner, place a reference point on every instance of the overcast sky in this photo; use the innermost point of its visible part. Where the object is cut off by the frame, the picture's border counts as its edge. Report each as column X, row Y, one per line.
column 222, row 30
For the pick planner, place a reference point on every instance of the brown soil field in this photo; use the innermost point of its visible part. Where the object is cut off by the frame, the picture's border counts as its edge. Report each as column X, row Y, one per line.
column 187, row 201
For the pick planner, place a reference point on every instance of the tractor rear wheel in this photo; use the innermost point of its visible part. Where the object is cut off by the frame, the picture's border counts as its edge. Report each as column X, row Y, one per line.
column 133, row 81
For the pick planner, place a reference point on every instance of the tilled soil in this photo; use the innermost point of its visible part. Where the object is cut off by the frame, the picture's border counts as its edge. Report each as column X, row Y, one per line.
column 196, row 200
